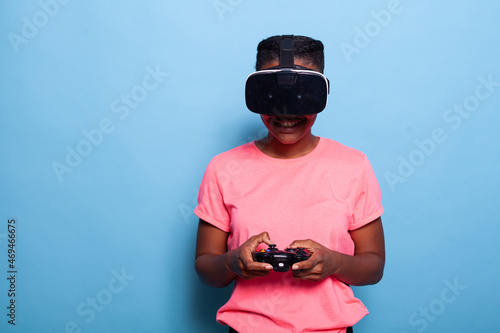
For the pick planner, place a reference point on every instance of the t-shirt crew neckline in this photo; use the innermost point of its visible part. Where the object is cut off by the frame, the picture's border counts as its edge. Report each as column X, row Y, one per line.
column 305, row 157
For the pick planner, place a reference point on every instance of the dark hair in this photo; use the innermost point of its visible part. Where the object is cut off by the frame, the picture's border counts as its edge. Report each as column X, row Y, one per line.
column 305, row 48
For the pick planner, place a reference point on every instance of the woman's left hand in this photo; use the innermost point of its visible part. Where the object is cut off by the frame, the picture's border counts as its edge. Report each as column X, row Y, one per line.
column 322, row 263
column 365, row 267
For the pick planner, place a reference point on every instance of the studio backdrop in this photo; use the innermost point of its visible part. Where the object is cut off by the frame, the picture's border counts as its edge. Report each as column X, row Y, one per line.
column 111, row 110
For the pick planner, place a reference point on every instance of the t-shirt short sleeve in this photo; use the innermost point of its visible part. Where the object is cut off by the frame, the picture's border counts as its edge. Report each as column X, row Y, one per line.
column 211, row 207
column 367, row 198
column 320, row 196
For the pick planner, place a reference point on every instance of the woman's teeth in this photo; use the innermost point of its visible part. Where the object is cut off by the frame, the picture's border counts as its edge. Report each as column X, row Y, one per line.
column 289, row 123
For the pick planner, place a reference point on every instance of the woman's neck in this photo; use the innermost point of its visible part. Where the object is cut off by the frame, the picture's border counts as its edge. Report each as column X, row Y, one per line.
column 270, row 146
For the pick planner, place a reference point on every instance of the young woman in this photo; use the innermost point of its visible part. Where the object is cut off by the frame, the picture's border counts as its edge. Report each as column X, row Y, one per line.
column 292, row 189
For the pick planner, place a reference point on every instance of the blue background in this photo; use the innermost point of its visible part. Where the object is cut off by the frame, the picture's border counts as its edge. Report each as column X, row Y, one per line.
column 105, row 238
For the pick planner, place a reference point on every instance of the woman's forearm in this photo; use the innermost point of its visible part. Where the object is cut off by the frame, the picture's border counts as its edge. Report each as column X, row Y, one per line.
column 213, row 270
column 359, row 270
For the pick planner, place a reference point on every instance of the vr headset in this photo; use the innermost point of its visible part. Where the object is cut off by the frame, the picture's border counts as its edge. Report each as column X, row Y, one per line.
column 287, row 89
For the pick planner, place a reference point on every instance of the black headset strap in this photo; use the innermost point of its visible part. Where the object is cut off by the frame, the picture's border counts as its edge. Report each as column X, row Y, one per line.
column 286, row 52
column 294, row 67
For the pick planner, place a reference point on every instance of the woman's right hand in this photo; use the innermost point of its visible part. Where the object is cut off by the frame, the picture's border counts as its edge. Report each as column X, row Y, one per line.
column 218, row 267
column 240, row 260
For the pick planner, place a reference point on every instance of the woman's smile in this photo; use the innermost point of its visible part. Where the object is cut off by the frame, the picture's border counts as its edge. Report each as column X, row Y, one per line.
column 288, row 124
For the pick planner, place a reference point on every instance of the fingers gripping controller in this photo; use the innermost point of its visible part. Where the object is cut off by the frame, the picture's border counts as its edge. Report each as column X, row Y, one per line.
column 281, row 260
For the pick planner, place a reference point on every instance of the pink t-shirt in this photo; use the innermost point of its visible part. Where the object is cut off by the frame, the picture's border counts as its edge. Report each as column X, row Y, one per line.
column 319, row 196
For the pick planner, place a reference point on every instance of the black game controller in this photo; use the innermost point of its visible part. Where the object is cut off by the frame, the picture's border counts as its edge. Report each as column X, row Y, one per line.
column 281, row 260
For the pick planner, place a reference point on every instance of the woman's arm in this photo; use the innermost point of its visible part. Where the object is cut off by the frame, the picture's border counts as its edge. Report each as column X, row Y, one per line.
column 218, row 267
column 365, row 267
